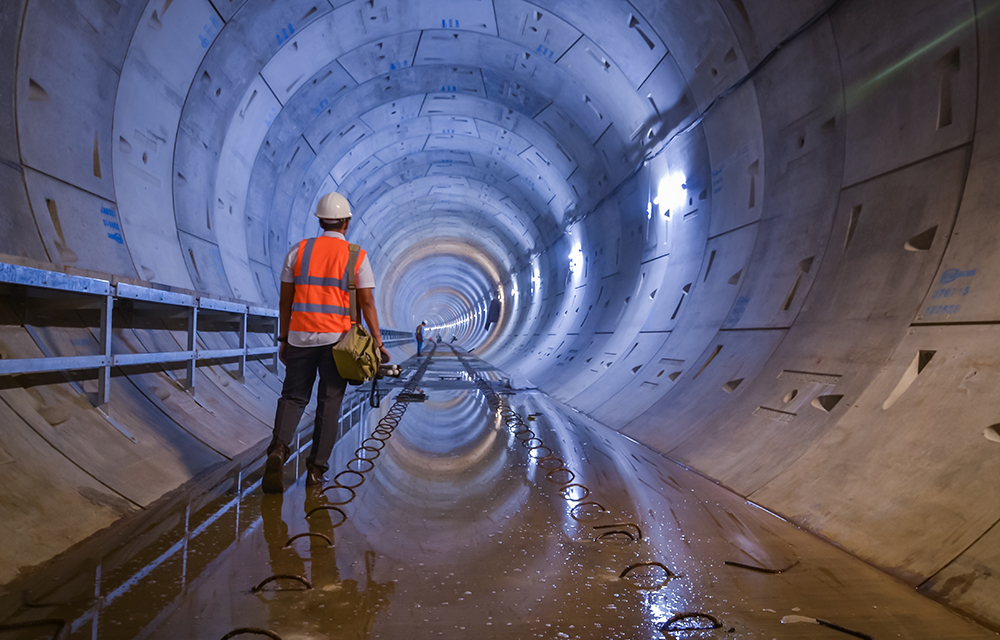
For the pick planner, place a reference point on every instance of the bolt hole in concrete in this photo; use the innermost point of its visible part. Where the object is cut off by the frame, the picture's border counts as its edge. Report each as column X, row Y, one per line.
column 917, row 366
column 992, row 433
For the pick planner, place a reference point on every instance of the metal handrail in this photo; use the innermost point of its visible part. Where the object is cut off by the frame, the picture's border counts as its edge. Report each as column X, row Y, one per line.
column 108, row 294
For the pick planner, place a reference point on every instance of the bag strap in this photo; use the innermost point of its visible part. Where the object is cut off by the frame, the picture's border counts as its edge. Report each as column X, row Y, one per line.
column 352, row 286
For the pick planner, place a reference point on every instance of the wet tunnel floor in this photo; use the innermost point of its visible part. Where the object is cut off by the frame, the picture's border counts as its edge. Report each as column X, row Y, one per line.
column 469, row 524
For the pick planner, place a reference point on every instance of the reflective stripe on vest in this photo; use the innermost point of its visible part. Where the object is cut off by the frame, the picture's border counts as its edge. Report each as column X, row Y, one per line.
column 322, row 298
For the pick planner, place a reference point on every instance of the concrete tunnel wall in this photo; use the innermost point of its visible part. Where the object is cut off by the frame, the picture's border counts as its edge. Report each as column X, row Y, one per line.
column 782, row 283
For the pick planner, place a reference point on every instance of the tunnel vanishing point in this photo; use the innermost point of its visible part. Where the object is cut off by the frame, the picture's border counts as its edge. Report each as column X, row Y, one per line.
column 755, row 236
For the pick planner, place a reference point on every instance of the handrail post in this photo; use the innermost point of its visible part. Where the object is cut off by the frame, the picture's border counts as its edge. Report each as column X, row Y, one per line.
column 243, row 344
column 192, row 346
column 273, row 367
column 104, row 373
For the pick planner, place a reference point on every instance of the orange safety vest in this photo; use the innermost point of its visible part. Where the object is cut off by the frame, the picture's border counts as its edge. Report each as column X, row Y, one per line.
column 322, row 298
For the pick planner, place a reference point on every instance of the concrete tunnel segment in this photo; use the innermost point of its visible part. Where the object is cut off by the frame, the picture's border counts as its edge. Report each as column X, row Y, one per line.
column 773, row 269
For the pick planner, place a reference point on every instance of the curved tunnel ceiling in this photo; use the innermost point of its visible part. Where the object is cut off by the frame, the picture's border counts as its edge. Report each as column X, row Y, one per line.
column 493, row 124
column 732, row 256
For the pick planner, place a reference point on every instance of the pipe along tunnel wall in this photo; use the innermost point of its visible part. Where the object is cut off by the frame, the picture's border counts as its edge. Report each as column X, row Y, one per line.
column 774, row 269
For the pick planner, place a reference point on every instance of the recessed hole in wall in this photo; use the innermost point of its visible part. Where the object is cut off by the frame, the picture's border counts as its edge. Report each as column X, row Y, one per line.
column 684, row 291
column 922, row 241
column 124, row 145
column 154, row 22
column 218, row 92
column 949, row 66
column 194, row 263
column 730, row 56
column 627, row 298
column 181, row 180
column 715, row 72
column 917, row 366
column 703, row 195
column 673, row 376
column 992, row 433
column 715, row 352
column 145, row 158
column 852, row 224
column 97, row 157
column 636, row 368
column 205, row 78
column 309, row 13
column 166, row 6
column 826, row 403
column 753, row 170
column 742, row 9
column 804, row 267
column 730, row 386
column 54, row 215
column 633, row 23
column 660, row 373
column 736, row 277
column 36, row 93
column 208, row 217
column 790, row 396
column 652, row 294
column 708, row 269
column 802, row 141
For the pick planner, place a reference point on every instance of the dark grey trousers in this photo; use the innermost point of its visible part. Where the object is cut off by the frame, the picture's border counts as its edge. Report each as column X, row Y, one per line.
column 301, row 365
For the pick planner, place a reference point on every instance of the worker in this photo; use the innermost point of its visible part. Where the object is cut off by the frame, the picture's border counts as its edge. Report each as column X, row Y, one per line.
column 419, row 335
column 314, row 313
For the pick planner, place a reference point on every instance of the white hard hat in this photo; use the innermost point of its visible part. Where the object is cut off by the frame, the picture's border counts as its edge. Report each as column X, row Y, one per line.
column 333, row 206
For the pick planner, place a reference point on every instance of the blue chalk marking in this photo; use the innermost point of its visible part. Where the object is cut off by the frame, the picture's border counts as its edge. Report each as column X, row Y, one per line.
column 112, row 225
column 952, row 275
column 117, row 237
column 108, row 212
column 738, row 309
column 943, row 309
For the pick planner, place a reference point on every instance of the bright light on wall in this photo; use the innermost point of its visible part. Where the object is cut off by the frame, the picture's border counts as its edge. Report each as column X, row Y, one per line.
column 671, row 192
column 575, row 257
column 513, row 287
column 536, row 278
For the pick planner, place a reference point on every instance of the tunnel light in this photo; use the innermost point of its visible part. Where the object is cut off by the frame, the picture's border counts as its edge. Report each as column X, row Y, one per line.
column 536, row 279
column 575, row 258
column 513, row 287
column 671, row 193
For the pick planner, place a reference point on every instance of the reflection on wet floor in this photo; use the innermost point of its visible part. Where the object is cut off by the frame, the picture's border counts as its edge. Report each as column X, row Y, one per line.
column 478, row 515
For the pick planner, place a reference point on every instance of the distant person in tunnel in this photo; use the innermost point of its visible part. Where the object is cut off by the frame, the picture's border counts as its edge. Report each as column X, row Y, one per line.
column 314, row 315
column 419, row 335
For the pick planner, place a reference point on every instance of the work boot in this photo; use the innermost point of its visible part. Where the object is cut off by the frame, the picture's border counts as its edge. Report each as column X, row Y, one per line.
column 274, row 469
column 314, row 476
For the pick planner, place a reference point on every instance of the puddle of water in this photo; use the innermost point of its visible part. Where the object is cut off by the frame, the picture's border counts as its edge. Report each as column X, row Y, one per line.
column 460, row 529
